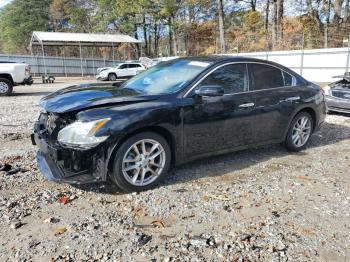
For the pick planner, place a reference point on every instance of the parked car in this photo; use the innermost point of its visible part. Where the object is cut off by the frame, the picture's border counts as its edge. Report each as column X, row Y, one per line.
column 338, row 94
column 12, row 74
column 121, row 70
column 174, row 112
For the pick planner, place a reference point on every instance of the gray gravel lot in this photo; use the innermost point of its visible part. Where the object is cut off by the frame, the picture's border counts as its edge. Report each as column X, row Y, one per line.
column 261, row 204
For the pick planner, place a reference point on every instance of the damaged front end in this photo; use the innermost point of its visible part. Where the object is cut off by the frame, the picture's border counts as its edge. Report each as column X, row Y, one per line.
column 68, row 163
column 338, row 95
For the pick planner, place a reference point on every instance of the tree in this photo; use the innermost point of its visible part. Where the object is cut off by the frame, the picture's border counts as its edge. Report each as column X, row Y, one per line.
column 346, row 11
column 277, row 17
column 19, row 19
column 337, row 11
column 60, row 14
column 221, row 26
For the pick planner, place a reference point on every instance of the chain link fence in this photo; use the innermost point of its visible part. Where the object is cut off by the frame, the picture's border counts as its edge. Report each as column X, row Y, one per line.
column 59, row 66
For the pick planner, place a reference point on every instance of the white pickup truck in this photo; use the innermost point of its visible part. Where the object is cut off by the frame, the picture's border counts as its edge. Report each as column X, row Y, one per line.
column 12, row 74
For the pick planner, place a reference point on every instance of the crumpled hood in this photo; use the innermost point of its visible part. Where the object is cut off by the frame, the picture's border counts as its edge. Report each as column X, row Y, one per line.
column 79, row 97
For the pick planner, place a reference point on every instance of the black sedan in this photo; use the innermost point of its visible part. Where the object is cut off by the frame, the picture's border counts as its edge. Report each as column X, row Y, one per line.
column 173, row 113
column 338, row 94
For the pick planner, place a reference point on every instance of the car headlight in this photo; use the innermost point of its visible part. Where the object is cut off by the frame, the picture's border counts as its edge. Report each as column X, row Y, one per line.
column 82, row 134
column 327, row 90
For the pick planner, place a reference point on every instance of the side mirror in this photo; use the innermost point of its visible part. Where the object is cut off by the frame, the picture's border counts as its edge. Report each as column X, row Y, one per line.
column 213, row 90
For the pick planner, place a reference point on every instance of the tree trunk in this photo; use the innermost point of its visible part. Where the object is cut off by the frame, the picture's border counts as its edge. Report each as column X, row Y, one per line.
column 137, row 37
column 313, row 35
column 328, row 15
column 266, row 24
column 174, row 39
column 280, row 12
column 156, row 40
column 150, row 44
column 253, row 5
column 145, row 35
column 347, row 11
column 221, row 26
column 274, row 24
column 267, row 13
column 171, row 36
column 337, row 11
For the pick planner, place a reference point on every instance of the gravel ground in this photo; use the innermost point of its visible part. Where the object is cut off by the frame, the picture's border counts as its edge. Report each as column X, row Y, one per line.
column 256, row 205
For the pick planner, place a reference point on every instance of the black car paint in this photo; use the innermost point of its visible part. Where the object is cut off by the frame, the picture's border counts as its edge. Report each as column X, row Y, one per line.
column 195, row 126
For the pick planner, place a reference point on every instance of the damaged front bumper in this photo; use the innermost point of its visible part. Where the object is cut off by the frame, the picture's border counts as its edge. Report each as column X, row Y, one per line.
column 69, row 165
column 101, row 78
column 338, row 104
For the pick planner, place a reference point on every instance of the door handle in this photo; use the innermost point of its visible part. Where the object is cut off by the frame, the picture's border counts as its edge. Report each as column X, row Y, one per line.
column 247, row 105
column 294, row 98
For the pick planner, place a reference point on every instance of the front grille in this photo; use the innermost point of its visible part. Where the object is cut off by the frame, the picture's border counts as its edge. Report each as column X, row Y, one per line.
column 341, row 94
column 50, row 124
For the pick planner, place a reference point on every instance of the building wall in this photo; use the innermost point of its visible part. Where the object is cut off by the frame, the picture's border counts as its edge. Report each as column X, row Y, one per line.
column 318, row 65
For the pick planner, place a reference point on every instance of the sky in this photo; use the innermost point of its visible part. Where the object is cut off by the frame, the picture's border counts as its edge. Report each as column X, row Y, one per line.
column 4, row 2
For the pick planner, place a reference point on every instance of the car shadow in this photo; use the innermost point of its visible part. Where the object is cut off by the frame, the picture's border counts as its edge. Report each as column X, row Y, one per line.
column 237, row 161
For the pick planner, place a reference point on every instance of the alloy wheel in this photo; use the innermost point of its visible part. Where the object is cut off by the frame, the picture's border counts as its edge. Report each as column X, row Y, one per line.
column 301, row 131
column 143, row 162
column 3, row 87
column 112, row 77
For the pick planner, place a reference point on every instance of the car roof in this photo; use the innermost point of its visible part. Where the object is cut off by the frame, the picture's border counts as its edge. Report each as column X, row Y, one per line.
column 218, row 59
column 227, row 58
column 130, row 63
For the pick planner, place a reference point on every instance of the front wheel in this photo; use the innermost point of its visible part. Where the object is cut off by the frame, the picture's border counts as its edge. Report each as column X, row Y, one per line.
column 112, row 77
column 141, row 162
column 299, row 132
column 6, row 87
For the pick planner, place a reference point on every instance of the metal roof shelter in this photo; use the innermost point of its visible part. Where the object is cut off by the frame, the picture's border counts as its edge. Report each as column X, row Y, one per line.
column 79, row 39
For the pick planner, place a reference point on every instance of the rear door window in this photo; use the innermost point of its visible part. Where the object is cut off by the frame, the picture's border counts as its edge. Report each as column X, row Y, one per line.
column 266, row 76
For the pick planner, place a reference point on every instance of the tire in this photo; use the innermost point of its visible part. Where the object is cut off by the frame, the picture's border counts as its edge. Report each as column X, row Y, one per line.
column 6, row 87
column 292, row 142
column 112, row 77
column 125, row 157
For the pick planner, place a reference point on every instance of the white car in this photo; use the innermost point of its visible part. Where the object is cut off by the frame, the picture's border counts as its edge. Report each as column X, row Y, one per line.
column 12, row 74
column 121, row 70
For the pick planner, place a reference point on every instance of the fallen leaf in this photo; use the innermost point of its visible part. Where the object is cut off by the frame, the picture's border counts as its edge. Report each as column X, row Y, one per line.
column 50, row 220
column 60, row 231
column 63, row 200
column 305, row 178
column 158, row 223
column 219, row 197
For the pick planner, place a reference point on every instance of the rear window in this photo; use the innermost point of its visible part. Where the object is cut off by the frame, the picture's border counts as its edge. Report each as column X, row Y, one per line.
column 266, row 77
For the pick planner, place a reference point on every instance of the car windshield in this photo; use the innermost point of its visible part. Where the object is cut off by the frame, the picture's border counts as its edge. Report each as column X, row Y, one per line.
column 166, row 78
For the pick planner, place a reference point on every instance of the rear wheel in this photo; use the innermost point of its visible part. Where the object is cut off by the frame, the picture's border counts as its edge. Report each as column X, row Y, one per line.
column 6, row 87
column 141, row 162
column 299, row 132
column 112, row 77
